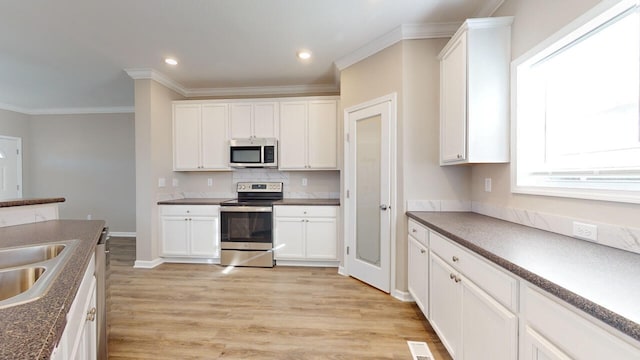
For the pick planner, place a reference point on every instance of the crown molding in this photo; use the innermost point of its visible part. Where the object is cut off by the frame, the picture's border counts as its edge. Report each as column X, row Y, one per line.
column 88, row 110
column 151, row 74
column 489, row 8
column 264, row 90
column 69, row 111
column 402, row 32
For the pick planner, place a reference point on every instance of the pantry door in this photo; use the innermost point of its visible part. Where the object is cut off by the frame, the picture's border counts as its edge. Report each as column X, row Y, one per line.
column 10, row 167
column 368, row 165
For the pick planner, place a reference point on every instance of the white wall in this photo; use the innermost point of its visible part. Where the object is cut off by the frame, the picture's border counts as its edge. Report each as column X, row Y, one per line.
column 535, row 21
column 88, row 160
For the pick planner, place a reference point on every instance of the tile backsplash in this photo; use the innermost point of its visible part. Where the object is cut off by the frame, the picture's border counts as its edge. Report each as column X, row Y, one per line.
column 625, row 238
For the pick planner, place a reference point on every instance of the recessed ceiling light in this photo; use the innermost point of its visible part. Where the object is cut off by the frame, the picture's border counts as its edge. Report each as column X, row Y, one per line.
column 304, row 54
column 171, row 61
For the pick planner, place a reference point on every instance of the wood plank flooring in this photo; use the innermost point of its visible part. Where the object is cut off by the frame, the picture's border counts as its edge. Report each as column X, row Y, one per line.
column 181, row 311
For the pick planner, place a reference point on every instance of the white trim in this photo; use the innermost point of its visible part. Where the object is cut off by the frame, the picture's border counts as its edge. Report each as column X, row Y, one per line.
column 186, row 260
column 143, row 264
column 95, row 110
column 342, row 271
column 402, row 32
column 348, row 242
column 489, row 8
column 122, row 234
column 265, row 90
column 151, row 74
column 309, row 263
column 13, row 108
column 402, row 295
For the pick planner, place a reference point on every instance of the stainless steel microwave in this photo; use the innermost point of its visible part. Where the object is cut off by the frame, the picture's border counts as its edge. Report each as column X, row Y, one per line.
column 253, row 153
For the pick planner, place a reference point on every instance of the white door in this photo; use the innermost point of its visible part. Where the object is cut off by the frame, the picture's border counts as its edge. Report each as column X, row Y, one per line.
column 10, row 167
column 369, row 186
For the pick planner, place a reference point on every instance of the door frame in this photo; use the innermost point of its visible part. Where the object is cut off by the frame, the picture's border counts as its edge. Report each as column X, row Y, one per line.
column 19, row 160
column 347, row 174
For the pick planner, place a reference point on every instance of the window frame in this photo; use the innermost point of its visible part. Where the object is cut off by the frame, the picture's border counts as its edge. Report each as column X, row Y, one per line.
column 592, row 19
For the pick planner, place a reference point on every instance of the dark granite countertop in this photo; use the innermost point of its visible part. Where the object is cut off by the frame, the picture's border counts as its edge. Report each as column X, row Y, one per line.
column 193, row 201
column 601, row 281
column 32, row 330
column 211, row 201
column 24, row 202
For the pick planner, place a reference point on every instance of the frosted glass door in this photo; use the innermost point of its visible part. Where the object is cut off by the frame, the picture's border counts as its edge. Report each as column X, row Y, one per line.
column 368, row 190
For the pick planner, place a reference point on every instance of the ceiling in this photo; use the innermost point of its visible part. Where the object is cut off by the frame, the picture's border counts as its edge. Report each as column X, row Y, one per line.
column 70, row 56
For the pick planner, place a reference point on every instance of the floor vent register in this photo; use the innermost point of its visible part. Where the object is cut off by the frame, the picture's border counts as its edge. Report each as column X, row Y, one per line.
column 419, row 350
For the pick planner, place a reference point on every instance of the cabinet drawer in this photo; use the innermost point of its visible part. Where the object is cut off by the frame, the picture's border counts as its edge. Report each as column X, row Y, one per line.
column 573, row 333
column 494, row 281
column 306, row 211
column 419, row 232
column 185, row 210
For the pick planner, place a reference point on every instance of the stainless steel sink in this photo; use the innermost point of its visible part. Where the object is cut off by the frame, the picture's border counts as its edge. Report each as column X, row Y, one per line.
column 16, row 281
column 29, row 255
column 27, row 272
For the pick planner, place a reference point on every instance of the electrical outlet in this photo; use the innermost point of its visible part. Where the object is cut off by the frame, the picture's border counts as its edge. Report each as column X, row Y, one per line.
column 174, row 182
column 487, row 184
column 162, row 182
column 585, row 231
column 89, row 217
column 209, row 182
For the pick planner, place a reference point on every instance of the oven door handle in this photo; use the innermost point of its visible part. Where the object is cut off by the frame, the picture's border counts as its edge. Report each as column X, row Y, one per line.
column 246, row 209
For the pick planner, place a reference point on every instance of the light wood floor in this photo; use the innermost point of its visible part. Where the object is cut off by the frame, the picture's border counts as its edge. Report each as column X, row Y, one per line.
column 179, row 311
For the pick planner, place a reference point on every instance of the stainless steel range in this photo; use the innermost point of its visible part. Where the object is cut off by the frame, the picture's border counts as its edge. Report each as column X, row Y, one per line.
column 247, row 225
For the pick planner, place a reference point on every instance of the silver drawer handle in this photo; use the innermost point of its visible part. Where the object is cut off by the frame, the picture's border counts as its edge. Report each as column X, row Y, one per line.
column 414, row 230
column 455, row 259
column 422, row 251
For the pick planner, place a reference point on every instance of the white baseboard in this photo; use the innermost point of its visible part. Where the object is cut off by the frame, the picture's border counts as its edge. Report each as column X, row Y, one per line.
column 144, row 264
column 122, row 234
column 402, row 295
column 342, row 271
column 180, row 260
column 329, row 263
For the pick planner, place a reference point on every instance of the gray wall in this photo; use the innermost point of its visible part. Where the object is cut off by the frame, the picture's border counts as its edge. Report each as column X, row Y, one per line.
column 90, row 161
column 17, row 125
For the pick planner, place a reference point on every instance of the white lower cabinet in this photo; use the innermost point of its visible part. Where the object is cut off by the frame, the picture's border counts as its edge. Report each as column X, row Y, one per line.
column 79, row 339
column 305, row 235
column 552, row 330
column 190, row 231
column 445, row 301
column 418, row 263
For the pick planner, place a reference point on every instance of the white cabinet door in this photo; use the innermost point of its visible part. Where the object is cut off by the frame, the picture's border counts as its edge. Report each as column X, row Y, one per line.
column 453, row 109
column 489, row 330
column 445, row 304
column 293, row 130
column 321, row 238
column 215, row 137
column 289, row 238
column 204, row 236
column 265, row 120
column 241, row 118
column 175, row 236
column 254, row 120
column 322, row 135
column 186, row 136
column 418, row 273
column 86, row 347
column 536, row 347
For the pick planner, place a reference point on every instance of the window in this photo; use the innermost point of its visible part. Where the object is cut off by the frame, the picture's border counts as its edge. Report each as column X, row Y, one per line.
column 577, row 111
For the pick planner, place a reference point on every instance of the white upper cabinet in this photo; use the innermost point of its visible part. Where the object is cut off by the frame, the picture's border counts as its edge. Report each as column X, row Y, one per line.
column 474, row 93
column 200, row 137
column 308, row 135
column 254, row 119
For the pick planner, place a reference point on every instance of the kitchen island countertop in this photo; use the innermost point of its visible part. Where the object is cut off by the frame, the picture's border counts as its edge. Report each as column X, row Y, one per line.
column 599, row 280
column 31, row 330
column 214, row 201
column 34, row 201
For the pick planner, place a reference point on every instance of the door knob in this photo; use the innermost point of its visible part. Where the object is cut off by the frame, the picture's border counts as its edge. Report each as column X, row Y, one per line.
column 383, row 207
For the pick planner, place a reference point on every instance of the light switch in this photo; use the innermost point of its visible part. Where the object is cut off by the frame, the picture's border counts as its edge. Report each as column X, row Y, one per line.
column 304, row 181
column 487, row 184
column 174, row 182
column 162, row 182
column 209, row 182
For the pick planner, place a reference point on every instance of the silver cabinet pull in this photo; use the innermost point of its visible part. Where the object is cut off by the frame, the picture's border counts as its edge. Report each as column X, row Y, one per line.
column 452, row 276
column 414, row 230
column 383, row 207
column 455, row 259
column 91, row 314
column 457, row 279
column 422, row 251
